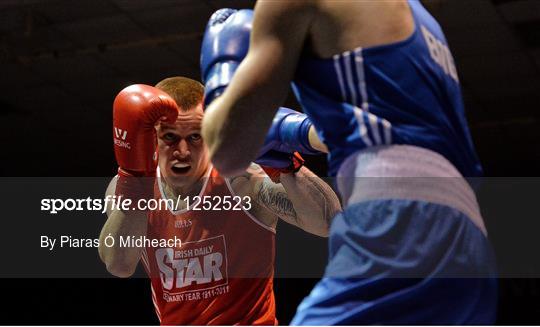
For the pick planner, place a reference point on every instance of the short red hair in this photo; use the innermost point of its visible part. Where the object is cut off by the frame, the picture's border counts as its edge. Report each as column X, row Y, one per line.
column 187, row 93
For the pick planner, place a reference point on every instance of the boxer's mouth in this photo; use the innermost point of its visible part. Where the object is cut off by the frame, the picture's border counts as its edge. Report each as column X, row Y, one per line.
column 180, row 168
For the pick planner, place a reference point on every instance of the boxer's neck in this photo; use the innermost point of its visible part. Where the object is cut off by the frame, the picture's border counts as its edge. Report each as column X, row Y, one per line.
column 190, row 190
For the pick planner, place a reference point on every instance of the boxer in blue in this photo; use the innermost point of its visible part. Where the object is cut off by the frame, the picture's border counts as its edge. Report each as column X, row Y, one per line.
column 379, row 83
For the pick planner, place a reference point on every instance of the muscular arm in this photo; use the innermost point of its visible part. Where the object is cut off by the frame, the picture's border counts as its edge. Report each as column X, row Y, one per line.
column 121, row 261
column 302, row 199
column 259, row 86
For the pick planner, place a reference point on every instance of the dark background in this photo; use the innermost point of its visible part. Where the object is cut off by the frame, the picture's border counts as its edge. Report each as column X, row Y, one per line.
column 63, row 61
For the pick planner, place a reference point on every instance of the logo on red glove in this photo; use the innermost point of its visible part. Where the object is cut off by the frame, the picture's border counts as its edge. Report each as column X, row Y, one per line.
column 120, row 139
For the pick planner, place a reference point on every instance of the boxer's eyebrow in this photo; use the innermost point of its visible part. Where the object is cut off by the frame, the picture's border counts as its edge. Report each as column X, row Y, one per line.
column 162, row 128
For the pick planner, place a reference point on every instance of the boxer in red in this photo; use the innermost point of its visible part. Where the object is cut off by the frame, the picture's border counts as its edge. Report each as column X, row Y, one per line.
column 222, row 272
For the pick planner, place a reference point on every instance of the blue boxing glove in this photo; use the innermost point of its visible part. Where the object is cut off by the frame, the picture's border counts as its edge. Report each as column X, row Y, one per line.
column 224, row 46
column 289, row 133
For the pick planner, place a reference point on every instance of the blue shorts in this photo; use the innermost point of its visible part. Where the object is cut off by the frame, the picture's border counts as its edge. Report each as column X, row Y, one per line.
column 404, row 262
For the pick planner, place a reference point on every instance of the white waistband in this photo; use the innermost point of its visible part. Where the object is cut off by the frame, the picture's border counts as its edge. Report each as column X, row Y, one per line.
column 406, row 172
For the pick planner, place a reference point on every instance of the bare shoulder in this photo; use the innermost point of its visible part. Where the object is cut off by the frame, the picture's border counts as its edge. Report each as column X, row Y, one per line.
column 284, row 12
column 276, row 6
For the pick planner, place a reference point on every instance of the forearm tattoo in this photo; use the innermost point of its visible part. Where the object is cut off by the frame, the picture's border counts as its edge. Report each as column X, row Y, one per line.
column 275, row 200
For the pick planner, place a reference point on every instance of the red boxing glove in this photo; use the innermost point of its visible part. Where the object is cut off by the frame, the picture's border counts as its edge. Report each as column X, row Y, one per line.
column 136, row 110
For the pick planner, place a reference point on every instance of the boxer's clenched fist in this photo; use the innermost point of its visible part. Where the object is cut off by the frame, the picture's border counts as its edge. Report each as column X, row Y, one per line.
column 136, row 110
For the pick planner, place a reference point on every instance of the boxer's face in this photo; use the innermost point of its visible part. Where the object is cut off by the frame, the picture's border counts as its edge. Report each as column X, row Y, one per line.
column 183, row 156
